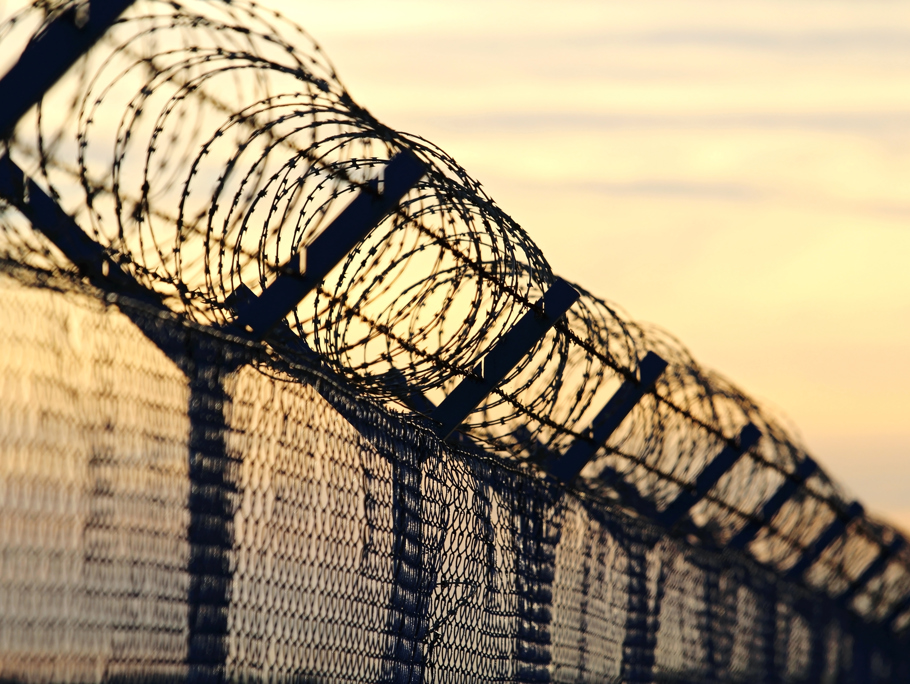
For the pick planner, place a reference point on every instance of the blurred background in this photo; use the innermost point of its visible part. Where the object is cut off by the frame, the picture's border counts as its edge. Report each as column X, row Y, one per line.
column 738, row 173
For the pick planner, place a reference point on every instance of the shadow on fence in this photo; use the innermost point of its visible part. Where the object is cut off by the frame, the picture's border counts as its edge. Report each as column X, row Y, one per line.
column 201, row 167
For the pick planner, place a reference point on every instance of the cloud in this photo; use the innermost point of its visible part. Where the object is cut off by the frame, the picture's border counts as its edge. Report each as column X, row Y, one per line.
column 868, row 123
column 776, row 41
column 672, row 188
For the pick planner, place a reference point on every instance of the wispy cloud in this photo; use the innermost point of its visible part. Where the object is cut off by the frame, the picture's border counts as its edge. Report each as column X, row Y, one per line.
column 776, row 41
column 872, row 123
column 672, row 188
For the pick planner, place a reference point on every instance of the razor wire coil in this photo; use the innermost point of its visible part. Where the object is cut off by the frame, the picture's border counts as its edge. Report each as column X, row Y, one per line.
column 206, row 144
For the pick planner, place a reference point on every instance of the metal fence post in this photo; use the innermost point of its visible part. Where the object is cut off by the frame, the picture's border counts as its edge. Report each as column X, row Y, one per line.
column 257, row 315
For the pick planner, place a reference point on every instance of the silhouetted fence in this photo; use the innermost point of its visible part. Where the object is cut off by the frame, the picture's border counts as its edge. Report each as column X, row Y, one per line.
column 289, row 396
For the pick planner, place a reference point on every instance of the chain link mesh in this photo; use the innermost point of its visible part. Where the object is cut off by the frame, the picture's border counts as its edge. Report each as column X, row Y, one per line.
column 361, row 549
column 182, row 502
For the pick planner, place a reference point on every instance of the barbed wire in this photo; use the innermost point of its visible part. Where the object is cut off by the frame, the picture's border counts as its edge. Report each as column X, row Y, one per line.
column 204, row 144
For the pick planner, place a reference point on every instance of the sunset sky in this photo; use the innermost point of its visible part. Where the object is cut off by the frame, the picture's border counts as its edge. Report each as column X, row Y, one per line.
column 738, row 173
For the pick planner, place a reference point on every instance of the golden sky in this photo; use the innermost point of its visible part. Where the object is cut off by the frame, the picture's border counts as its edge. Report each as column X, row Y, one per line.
column 738, row 173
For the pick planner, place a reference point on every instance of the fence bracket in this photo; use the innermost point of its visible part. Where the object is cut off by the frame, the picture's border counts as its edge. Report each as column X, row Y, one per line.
column 503, row 357
column 46, row 59
column 803, row 472
column 567, row 466
column 709, row 476
column 306, row 270
column 824, row 540
column 45, row 215
column 886, row 553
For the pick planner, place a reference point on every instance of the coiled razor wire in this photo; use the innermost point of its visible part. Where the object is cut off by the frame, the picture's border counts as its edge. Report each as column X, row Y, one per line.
column 203, row 144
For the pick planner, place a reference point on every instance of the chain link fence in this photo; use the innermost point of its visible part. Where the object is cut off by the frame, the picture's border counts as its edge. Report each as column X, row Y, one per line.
column 222, row 390
column 358, row 547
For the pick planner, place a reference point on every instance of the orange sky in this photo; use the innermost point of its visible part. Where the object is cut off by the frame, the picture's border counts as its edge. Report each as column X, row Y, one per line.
column 738, row 173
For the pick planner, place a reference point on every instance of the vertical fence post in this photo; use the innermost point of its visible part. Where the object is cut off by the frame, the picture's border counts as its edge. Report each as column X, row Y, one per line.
column 861, row 657
column 642, row 614
column 593, row 568
column 420, row 522
column 213, row 500
column 767, row 606
column 719, row 620
column 407, row 619
column 818, row 615
column 538, row 526
column 901, row 654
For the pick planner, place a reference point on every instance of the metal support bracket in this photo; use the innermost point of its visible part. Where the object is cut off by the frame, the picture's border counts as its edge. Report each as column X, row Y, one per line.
column 43, row 212
column 508, row 352
column 709, row 476
column 46, row 59
column 824, row 540
column 304, row 272
column 282, row 333
column 886, row 553
column 567, row 466
column 803, row 472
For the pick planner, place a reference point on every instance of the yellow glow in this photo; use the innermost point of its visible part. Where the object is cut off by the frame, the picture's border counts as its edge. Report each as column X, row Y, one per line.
column 738, row 173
